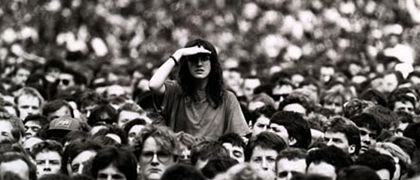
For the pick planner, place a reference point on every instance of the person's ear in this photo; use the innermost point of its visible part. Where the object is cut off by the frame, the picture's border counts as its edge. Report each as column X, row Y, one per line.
column 352, row 149
column 292, row 141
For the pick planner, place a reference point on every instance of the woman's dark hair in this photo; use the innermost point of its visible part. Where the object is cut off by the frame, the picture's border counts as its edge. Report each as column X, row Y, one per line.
column 120, row 158
column 129, row 125
column 215, row 88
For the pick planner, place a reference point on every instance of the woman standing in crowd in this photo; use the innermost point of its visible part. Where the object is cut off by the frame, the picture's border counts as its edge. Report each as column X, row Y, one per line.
column 196, row 102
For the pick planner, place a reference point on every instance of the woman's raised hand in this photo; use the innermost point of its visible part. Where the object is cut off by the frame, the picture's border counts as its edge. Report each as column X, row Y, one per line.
column 188, row 51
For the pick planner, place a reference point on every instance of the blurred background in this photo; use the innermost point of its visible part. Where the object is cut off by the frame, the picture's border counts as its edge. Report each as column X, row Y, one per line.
column 258, row 37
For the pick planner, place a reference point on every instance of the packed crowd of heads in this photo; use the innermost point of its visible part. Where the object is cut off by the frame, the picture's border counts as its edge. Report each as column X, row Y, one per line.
column 330, row 89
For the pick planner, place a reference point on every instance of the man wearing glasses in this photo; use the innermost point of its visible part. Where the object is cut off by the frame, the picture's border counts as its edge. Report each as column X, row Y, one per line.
column 157, row 149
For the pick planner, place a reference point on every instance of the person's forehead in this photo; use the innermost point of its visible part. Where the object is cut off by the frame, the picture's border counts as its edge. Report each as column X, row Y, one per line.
column 331, row 134
column 66, row 75
column 265, row 151
column 33, row 122
column 263, row 120
column 26, row 98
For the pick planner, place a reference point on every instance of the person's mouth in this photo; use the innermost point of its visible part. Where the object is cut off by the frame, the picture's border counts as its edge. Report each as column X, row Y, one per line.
column 154, row 170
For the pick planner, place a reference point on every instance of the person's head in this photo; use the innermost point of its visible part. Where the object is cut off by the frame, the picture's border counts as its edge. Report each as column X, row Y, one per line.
column 114, row 163
column 28, row 101
column 260, row 100
column 292, row 127
column 369, row 128
column 327, row 161
column 357, row 172
column 344, row 134
column 381, row 163
column 59, row 127
column 295, row 103
column 333, row 100
column 244, row 171
column 261, row 119
column 19, row 164
column 69, row 78
column 33, row 123
column 290, row 161
column 326, row 72
column 262, row 151
column 402, row 102
column 199, row 68
column 355, row 107
column 20, row 74
column 73, row 136
column 157, row 149
column 248, row 86
column 102, row 115
column 77, row 155
column 114, row 91
column 182, row 172
column 217, row 166
column 128, row 112
column 413, row 131
column 48, row 157
column 57, row 108
column 401, row 158
column 87, row 101
column 235, row 145
column 11, row 127
column 114, row 132
column 203, row 152
column 52, row 69
column 133, row 129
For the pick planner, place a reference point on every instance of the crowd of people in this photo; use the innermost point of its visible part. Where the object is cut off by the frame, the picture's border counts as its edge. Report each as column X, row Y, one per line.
column 177, row 90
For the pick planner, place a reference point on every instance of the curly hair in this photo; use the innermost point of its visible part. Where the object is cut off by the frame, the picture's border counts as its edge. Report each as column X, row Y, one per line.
column 215, row 89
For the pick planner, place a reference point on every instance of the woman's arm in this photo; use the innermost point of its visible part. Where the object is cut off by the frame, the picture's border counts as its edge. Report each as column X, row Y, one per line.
column 156, row 83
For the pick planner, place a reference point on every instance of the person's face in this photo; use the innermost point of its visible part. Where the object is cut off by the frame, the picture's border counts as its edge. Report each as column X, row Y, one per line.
column 126, row 116
column 390, row 83
column 400, row 129
column 414, row 80
column 47, row 162
column 154, row 160
column 32, row 128
column 282, row 90
column 368, row 138
column 21, row 76
column 280, row 130
column 326, row 73
column 323, row 169
column 79, row 162
column 335, row 105
column 199, row 66
column 295, row 107
column 133, row 132
column 28, row 105
column 18, row 167
column 262, row 124
column 53, row 73
column 6, row 130
column 110, row 173
column 115, row 91
column 405, row 106
column 287, row 168
column 62, row 112
column 29, row 143
column 384, row 174
column 235, row 152
column 249, row 86
column 339, row 140
column 264, row 159
column 65, row 81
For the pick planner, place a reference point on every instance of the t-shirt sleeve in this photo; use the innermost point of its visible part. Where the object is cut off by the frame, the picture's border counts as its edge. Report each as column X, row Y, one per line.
column 166, row 100
column 236, row 120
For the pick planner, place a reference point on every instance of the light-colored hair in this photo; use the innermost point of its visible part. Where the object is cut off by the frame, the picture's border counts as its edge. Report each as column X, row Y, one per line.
column 31, row 92
column 394, row 150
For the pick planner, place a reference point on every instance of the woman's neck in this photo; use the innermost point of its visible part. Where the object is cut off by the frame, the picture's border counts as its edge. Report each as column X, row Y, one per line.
column 201, row 84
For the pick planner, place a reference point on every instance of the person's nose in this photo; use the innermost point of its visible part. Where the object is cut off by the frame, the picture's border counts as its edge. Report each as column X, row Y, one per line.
column 366, row 139
column 154, row 161
column 80, row 170
column 264, row 164
column 47, row 167
column 289, row 176
column 329, row 143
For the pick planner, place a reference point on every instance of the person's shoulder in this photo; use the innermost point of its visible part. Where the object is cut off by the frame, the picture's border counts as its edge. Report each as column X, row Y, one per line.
column 230, row 96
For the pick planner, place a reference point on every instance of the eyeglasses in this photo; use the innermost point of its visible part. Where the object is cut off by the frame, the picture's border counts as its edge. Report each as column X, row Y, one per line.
column 204, row 58
column 64, row 81
column 163, row 157
column 284, row 174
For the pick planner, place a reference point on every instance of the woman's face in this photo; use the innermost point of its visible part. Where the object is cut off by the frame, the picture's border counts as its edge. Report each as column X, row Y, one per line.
column 199, row 66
